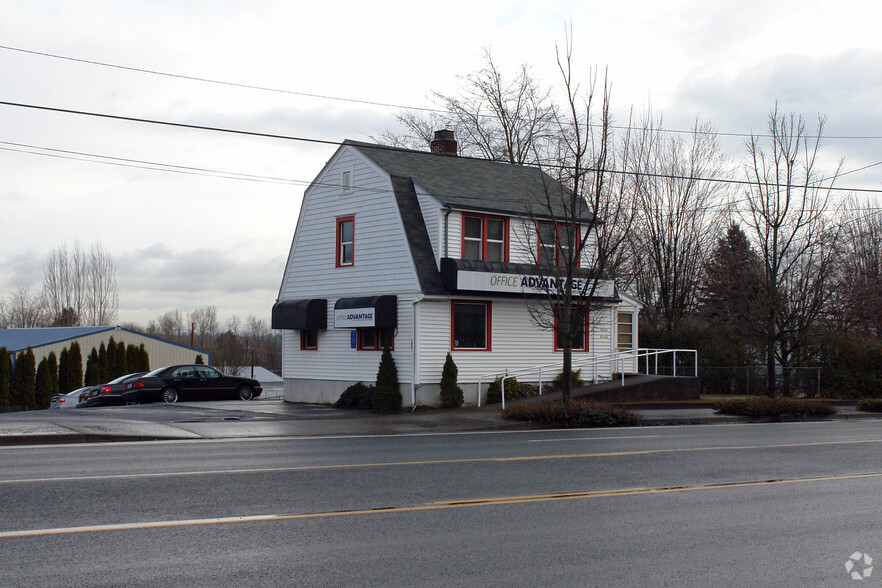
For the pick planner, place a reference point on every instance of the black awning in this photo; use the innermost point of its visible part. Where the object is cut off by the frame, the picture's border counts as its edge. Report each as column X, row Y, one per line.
column 300, row 314
column 366, row 311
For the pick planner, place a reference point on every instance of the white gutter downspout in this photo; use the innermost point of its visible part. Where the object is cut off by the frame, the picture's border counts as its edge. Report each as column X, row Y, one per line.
column 413, row 348
column 446, row 215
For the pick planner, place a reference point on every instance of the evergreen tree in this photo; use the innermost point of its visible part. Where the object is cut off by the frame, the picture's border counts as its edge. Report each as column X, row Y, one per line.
column 93, row 369
column 64, row 372
column 5, row 378
column 144, row 365
column 43, row 387
column 121, row 367
column 451, row 394
column 53, row 373
column 133, row 359
column 75, row 357
column 111, row 360
column 199, row 359
column 387, row 395
column 103, row 362
column 23, row 379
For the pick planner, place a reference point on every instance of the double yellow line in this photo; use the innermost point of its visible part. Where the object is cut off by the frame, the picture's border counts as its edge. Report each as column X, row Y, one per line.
column 432, row 506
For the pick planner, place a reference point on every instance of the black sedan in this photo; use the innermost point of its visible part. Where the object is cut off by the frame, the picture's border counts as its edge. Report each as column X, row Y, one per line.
column 189, row 382
column 109, row 393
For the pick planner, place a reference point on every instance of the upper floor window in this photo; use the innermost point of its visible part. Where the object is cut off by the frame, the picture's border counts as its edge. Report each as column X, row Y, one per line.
column 345, row 241
column 346, row 181
column 556, row 243
column 484, row 238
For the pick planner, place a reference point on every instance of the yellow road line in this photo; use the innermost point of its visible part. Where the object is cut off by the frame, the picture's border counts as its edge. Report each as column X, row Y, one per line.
column 431, row 462
column 441, row 505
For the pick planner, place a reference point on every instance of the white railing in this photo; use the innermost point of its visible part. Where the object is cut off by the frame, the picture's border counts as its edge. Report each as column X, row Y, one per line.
column 614, row 362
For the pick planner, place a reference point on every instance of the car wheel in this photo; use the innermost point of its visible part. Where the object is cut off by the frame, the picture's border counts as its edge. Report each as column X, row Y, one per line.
column 246, row 393
column 169, row 395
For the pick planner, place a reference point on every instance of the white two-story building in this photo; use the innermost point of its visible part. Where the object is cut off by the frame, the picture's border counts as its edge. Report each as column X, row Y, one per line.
column 431, row 253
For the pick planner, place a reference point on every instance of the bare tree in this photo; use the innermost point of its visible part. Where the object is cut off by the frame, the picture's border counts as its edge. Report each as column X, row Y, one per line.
column 788, row 218
column 102, row 293
column 510, row 119
column 205, row 324
column 583, row 218
column 23, row 309
column 170, row 326
column 81, row 285
column 678, row 199
column 857, row 295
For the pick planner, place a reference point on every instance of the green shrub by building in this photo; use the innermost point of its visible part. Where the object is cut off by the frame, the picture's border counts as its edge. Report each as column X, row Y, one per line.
column 451, row 393
column 387, row 395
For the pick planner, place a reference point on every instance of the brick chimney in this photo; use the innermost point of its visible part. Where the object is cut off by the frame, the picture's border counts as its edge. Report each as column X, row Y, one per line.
column 444, row 143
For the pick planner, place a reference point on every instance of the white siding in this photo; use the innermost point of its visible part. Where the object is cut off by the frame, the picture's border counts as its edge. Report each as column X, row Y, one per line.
column 516, row 343
column 382, row 265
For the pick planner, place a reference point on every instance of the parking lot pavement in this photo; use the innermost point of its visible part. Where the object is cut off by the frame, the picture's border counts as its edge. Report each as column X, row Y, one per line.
column 275, row 418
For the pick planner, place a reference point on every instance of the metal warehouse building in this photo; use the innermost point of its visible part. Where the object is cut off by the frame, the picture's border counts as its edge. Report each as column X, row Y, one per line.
column 46, row 340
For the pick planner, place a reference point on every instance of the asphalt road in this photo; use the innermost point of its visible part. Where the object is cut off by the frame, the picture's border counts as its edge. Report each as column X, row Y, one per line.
column 743, row 505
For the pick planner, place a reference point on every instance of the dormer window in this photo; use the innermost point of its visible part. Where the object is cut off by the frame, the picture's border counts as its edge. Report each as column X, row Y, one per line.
column 484, row 238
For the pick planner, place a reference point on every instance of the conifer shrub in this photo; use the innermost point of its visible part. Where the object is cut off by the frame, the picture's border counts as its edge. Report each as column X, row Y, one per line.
column 24, row 376
column 356, row 396
column 387, row 395
column 43, row 385
column 5, row 378
column 451, row 393
column 513, row 390
column 575, row 381
column 775, row 408
column 870, row 404
column 575, row 413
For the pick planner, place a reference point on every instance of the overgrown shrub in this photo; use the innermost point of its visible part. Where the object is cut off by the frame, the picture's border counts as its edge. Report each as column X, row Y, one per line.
column 451, row 393
column 387, row 395
column 557, row 383
column 870, row 404
column 513, row 390
column 356, row 396
column 575, row 413
column 774, row 407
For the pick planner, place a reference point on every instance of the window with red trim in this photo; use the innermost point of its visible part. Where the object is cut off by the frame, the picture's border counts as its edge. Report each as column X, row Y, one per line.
column 484, row 238
column 555, row 241
column 580, row 332
column 345, row 241
column 372, row 339
column 309, row 339
column 470, row 325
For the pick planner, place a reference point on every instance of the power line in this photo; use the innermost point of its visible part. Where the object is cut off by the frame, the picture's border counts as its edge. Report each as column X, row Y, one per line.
column 383, row 147
column 375, row 103
column 220, row 82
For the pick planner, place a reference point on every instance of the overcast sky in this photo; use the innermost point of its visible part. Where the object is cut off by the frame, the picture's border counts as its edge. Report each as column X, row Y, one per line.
column 190, row 239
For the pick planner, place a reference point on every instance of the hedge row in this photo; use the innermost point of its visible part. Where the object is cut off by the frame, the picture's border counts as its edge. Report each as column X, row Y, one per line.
column 575, row 413
column 774, row 407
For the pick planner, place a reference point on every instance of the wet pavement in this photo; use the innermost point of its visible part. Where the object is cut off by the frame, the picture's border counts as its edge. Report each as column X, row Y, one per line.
column 275, row 418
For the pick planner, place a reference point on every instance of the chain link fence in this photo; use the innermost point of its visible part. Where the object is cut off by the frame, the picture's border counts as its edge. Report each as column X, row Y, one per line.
column 751, row 381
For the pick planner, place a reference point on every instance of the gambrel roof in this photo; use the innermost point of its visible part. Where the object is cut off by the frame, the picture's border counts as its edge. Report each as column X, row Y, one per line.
column 468, row 183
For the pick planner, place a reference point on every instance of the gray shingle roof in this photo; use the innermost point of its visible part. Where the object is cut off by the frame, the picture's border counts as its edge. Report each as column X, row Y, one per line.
column 471, row 184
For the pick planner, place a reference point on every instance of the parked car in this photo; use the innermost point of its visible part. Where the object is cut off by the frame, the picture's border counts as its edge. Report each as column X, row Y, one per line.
column 189, row 382
column 109, row 393
column 69, row 400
